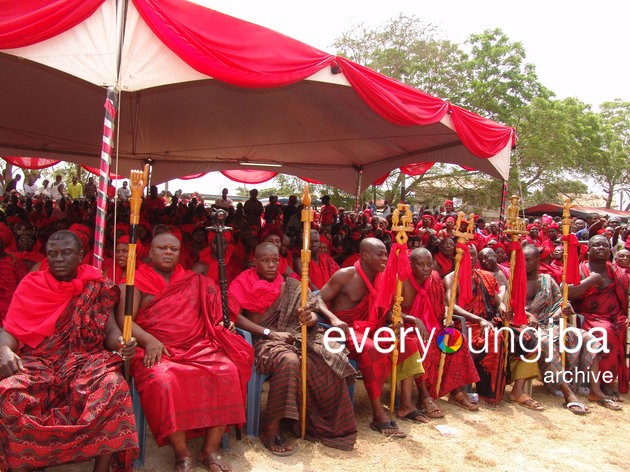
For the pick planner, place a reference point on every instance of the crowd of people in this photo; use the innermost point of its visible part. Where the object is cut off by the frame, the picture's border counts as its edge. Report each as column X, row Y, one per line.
column 62, row 394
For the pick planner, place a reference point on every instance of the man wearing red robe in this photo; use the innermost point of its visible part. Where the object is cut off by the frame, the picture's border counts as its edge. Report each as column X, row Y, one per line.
column 191, row 372
column 11, row 269
column 62, row 395
column 602, row 297
column 269, row 308
column 321, row 267
column 423, row 301
column 357, row 300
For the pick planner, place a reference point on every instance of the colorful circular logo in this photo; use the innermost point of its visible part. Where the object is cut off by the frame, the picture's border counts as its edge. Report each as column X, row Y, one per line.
column 449, row 340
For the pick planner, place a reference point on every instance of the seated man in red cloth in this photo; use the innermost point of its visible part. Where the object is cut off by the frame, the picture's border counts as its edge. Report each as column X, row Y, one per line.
column 352, row 294
column 62, row 395
column 28, row 250
column 322, row 266
column 483, row 313
column 269, row 307
column 444, row 262
column 191, row 372
column 423, row 303
column 602, row 297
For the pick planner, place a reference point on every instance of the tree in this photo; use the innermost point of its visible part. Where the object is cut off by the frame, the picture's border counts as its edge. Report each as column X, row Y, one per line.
column 498, row 81
column 409, row 50
column 556, row 137
column 610, row 167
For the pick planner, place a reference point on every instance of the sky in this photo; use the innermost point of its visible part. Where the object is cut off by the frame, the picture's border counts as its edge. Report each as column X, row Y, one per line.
column 579, row 48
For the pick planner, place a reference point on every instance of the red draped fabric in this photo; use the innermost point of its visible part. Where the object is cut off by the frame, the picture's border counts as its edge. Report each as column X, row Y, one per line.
column 95, row 171
column 30, row 162
column 249, row 176
column 31, row 21
column 240, row 53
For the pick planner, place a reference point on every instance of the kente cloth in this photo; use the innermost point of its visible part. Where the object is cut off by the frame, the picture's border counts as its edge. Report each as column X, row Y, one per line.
column 459, row 368
column 203, row 383
column 9, row 279
column 249, row 292
column 375, row 366
column 72, row 402
column 489, row 358
column 321, row 271
column 446, row 264
column 53, row 296
column 330, row 416
column 545, row 304
column 607, row 308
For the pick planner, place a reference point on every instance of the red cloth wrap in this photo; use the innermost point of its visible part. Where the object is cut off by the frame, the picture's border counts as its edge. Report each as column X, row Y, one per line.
column 398, row 268
column 519, row 284
column 44, row 310
column 573, row 263
column 248, row 291
column 465, row 275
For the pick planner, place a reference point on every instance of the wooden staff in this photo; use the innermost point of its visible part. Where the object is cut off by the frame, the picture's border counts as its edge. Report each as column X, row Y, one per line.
column 219, row 228
column 462, row 238
column 137, row 183
column 401, row 238
column 566, row 230
column 515, row 227
column 305, row 257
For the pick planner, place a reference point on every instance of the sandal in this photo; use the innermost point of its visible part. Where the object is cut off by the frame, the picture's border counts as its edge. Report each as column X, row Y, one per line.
column 185, row 464
column 577, row 408
column 415, row 416
column 608, row 403
column 528, row 402
column 279, row 442
column 389, row 429
column 431, row 409
column 213, row 459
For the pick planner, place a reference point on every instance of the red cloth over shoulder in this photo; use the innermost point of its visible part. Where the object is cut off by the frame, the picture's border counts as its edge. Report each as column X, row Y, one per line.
column 39, row 300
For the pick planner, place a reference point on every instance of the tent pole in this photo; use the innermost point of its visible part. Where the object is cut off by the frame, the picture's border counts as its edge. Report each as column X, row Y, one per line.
column 357, row 199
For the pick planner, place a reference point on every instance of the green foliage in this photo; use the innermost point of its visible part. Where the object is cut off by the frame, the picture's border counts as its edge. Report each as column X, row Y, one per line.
column 498, row 81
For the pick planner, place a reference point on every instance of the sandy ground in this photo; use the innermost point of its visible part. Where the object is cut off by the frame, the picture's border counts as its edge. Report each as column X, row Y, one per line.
column 510, row 438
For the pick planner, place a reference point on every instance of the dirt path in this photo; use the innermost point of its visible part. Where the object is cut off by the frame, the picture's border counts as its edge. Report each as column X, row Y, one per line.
column 510, row 438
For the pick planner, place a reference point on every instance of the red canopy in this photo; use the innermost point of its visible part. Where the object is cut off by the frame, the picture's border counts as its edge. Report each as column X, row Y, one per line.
column 274, row 100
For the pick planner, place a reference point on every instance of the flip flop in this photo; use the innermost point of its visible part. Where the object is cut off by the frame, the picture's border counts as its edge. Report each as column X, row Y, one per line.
column 608, row 403
column 414, row 416
column 577, row 408
column 527, row 402
column 280, row 442
column 213, row 459
column 388, row 425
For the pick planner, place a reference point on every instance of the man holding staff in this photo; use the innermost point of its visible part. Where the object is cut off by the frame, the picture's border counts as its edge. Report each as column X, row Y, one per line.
column 269, row 308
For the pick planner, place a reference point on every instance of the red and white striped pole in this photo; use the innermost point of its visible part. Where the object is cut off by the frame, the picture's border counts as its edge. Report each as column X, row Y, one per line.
column 111, row 107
